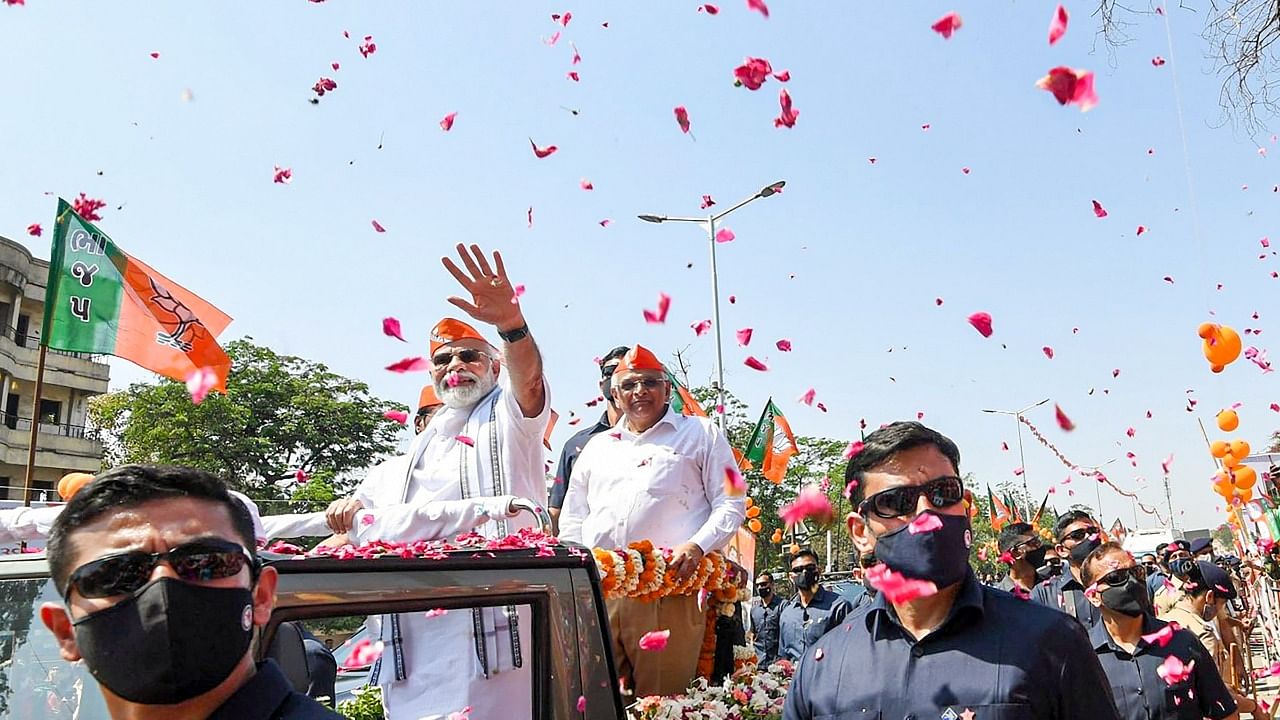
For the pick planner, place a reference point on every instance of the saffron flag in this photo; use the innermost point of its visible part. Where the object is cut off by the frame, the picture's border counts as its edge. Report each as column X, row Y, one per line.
column 101, row 300
column 1040, row 512
column 772, row 444
column 999, row 512
column 682, row 401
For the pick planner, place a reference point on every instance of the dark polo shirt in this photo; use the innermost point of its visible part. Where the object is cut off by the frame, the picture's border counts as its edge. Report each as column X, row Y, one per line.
column 269, row 696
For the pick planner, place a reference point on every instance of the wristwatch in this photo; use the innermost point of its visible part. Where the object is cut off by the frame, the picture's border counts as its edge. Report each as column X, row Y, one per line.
column 515, row 335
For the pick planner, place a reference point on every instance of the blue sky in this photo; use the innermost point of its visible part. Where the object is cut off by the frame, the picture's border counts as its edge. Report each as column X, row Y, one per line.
column 847, row 263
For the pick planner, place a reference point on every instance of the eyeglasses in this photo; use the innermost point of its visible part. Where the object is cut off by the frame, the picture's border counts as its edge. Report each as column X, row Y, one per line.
column 1028, row 545
column 648, row 383
column 466, row 355
column 1118, row 577
column 895, row 502
column 193, row 562
column 1079, row 534
column 607, row 370
column 799, row 569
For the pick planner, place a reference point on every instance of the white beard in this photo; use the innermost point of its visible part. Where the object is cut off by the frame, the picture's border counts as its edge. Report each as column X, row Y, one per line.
column 465, row 396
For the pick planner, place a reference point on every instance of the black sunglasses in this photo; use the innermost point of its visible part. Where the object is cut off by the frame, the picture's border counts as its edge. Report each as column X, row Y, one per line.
column 648, row 383
column 466, row 355
column 1119, row 577
column 895, row 502
column 1079, row 534
column 193, row 562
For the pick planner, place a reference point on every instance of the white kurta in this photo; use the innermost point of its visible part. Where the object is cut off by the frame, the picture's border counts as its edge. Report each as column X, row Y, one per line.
column 27, row 523
column 665, row 485
column 420, row 496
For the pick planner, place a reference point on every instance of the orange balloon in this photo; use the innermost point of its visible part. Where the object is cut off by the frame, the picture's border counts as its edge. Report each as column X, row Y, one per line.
column 750, row 502
column 1228, row 420
column 1240, row 448
column 1230, row 460
column 71, row 483
column 1241, row 497
column 1224, row 489
column 754, row 525
column 1218, row 448
column 794, row 548
column 753, row 512
column 777, row 537
column 1244, row 477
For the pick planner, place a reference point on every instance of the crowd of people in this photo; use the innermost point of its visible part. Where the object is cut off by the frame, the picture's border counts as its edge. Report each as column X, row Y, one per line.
column 162, row 587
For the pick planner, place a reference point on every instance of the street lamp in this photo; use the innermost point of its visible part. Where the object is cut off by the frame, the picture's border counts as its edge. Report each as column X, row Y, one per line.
column 710, row 221
column 1017, row 415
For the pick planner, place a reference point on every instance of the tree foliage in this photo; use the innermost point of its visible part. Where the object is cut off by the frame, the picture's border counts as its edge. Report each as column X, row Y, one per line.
column 281, row 414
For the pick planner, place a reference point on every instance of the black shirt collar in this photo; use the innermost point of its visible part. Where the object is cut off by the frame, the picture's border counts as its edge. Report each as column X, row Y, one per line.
column 968, row 599
column 1101, row 639
column 260, row 697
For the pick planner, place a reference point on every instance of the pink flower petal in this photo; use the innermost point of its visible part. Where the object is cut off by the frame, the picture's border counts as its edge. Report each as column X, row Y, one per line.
column 530, row 215
column 466, row 441
column 758, row 6
column 1141, row 229
column 755, row 364
column 446, row 123
column 724, row 235
column 784, row 345
column 707, row 202
column 155, row 56
column 896, row 588
column 200, row 382
column 364, row 653
column 659, row 316
column 368, row 48
column 399, row 416
column 981, row 322
column 391, row 328
column 924, row 523
column 709, row 9
column 744, row 337
column 1166, row 464
column 854, row 448
column 701, row 327
column 324, row 85
column 654, row 641
column 605, row 222
column 1157, row 61
column 734, row 484
column 1064, row 422
column 810, row 503
column 300, row 477
column 377, row 226
column 542, row 152
column 1098, row 210
column 1162, row 636
column 582, row 703
column 947, row 24
column 752, row 73
column 1048, row 351
column 1058, row 25
column 682, row 118
column 808, row 396
column 787, row 117
column 518, row 290
column 335, row 66
column 573, row 75
column 434, row 613
column 411, row 364
column 1174, row 671
column 1069, row 85
column 283, row 176
column 585, row 184
column 34, row 230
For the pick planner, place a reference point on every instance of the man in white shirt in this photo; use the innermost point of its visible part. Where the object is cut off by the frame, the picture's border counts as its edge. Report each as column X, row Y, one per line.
column 479, row 452
column 657, row 476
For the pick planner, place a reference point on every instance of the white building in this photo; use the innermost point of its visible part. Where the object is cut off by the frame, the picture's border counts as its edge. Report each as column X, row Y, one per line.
column 63, row 443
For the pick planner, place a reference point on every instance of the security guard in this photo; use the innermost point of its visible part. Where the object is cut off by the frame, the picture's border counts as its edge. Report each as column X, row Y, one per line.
column 963, row 652
column 764, row 620
column 1133, row 647
column 812, row 612
column 1077, row 535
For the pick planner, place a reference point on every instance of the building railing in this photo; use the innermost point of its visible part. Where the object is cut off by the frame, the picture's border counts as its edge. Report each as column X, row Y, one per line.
column 33, row 341
column 80, row 432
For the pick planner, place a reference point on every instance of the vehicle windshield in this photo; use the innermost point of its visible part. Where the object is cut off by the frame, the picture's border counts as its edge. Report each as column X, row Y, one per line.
column 35, row 682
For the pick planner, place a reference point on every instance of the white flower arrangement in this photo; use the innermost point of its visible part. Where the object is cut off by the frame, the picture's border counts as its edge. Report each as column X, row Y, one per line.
column 749, row 694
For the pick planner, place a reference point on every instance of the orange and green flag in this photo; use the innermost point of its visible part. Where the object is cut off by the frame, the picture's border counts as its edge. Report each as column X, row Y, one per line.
column 999, row 512
column 682, row 400
column 101, row 300
column 772, row 444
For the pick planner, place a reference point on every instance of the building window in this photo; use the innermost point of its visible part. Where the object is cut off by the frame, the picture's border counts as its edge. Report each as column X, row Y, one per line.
column 51, row 411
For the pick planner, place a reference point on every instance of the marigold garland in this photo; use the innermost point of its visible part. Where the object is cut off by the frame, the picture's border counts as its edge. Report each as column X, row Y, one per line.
column 643, row 572
column 707, row 654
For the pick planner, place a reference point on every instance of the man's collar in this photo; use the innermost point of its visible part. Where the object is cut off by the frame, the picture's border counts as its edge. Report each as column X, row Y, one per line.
column 970, row 596
column 669, row 417
column 1101, row 638
column 260, row 696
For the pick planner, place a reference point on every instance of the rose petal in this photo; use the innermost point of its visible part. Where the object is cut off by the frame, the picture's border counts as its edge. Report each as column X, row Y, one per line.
column 1048, row 351
column 659, row 316
column 811, row 502
column 755, row 364
column 758, row 6
column 981, row 322
column 682, row 118
column 947, row 24
column 654, row 641
column 854, row 448
column 709, row 9
column 707, row 202
column 542, row 152
column 34, row 230
column 283, row 176
column 466, row 441
column 200, row 382
column 808, row 396
column 783, row 345
column 585, row 184
column 1064, row 422
column 1058, row 25
column 377, row 226
column 724, row 235
column 734, row 484
column 896, row 587
column 411, row 364
column 391, row 328
column 701, row 327
column 446, row 123
column 744, row 337
column 925, row 522
column 399, row 416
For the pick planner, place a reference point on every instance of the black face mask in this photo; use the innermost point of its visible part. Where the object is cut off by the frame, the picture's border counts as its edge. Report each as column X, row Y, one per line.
column 806, row 578
column 764, row 591
column 941, row 556
column 168, row 642
column 1181, row 567
column 1083, row 548
column 1035, row 558
column 1127, row 599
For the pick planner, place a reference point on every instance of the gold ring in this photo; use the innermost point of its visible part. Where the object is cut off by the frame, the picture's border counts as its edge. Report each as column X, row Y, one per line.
column 496, row 282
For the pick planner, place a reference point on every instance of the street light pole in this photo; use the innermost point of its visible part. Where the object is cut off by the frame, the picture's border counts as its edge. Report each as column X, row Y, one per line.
column 711, row 220
column 1022, row 458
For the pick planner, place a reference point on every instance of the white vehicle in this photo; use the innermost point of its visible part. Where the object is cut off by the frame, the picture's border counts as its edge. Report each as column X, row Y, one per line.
column 1142, row 542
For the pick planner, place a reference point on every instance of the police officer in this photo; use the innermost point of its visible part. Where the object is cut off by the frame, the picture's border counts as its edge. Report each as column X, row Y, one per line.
column 812, row 612
column 765, row 609
column 1077, row 535
column 964, row 651
column 1133, row 647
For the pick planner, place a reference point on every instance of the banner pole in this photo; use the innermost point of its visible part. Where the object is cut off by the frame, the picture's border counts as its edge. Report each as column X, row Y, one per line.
column 35, row 427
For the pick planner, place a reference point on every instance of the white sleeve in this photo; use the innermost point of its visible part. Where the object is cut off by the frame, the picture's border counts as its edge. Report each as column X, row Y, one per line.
column 430, row 521
column 295, row 525
column 576, row 508
column 27, row 523
column 727, row 511
column 527, row 426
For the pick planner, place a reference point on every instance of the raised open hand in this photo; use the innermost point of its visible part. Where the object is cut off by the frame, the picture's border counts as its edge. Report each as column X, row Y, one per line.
column 491, row 290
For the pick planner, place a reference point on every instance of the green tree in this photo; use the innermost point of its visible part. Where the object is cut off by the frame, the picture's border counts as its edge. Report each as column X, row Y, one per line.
column 281, row 414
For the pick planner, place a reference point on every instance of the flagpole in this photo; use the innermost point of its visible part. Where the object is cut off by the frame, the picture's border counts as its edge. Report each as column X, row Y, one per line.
column 35, row 426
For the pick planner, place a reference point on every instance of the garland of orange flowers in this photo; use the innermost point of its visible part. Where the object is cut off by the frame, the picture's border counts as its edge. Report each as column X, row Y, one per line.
column 707, row 654
column 643, row 572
